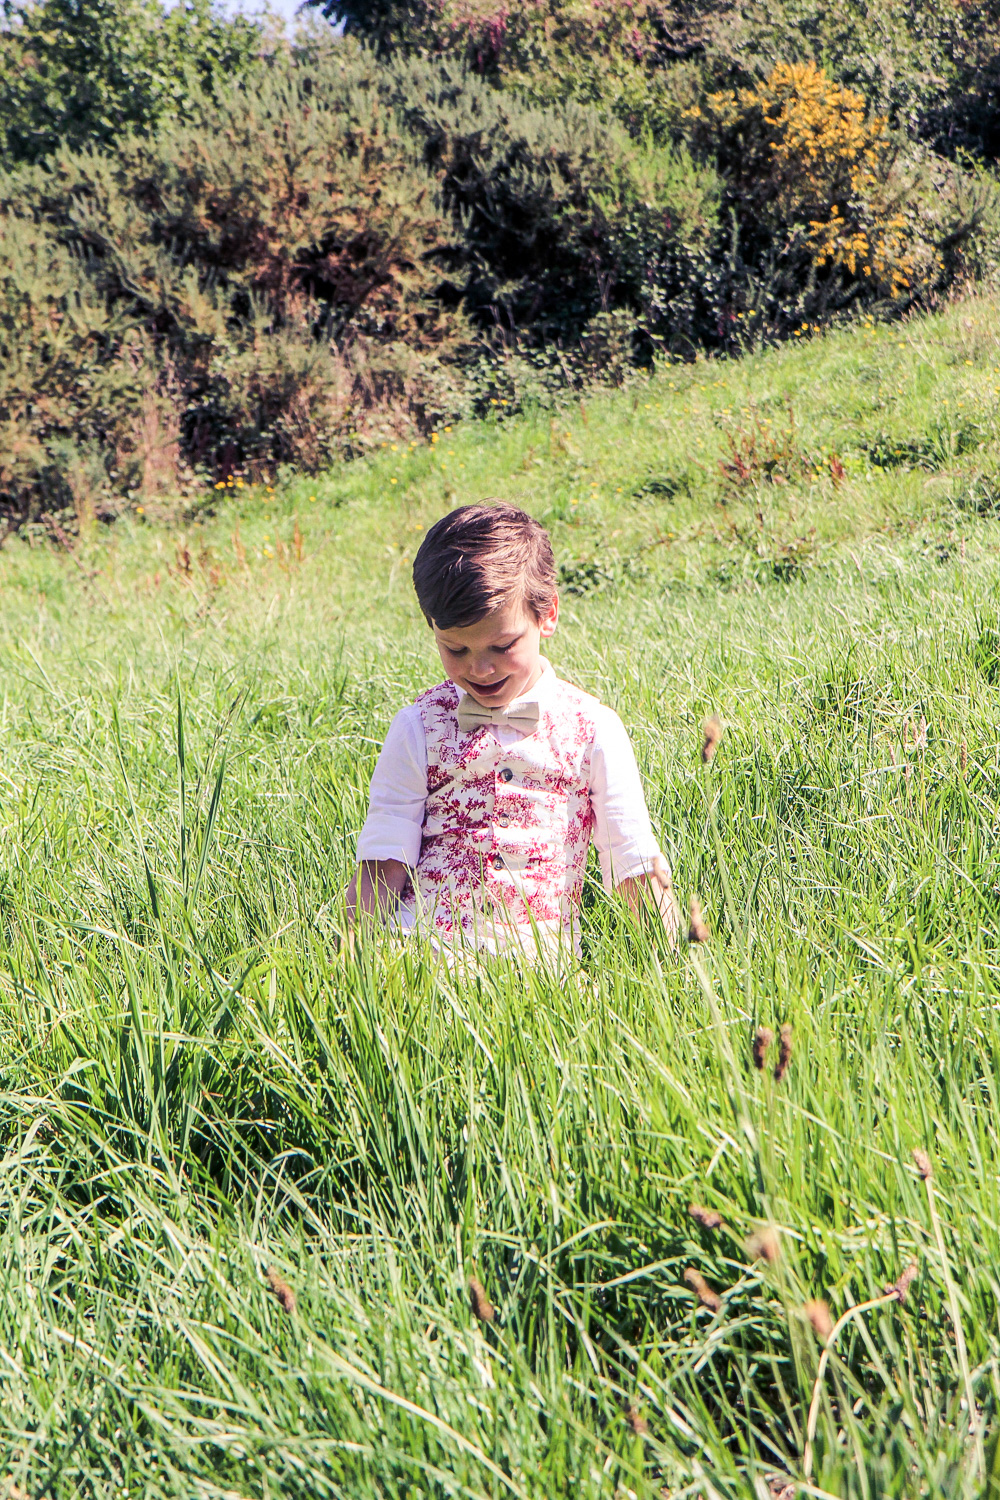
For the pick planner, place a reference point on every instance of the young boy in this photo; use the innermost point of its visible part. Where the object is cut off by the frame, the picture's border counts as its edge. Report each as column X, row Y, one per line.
column 490, row 787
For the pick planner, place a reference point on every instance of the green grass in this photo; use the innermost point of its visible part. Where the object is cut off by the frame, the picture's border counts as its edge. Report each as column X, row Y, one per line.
column 195, row 1088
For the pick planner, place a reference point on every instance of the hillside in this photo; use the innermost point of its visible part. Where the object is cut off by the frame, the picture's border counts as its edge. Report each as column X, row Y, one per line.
column 198, row 1089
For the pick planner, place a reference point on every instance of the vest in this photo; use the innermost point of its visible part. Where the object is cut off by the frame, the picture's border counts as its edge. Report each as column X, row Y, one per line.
column 506, row 827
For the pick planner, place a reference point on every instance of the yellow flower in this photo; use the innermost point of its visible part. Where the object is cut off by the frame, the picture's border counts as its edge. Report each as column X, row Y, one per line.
column 239, row 484
column 140, row 510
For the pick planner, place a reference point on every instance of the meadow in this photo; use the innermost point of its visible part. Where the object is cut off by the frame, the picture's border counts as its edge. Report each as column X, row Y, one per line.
column 246, row 1179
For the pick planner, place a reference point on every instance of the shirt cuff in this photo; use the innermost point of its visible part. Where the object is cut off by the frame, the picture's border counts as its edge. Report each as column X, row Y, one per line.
column 385, row 837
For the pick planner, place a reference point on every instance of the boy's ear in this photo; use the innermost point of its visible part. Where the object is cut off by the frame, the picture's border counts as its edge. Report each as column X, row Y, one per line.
column 548, row 622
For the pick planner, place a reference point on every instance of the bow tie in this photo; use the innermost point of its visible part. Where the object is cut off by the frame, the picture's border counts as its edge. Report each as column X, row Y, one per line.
column 521, row 715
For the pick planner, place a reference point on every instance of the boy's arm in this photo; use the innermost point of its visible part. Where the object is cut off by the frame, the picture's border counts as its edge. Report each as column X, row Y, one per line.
column 389, row 842
column 622, row 830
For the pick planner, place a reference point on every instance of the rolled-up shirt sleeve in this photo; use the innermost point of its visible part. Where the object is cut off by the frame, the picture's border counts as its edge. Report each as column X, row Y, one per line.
column 623, row 833
column 398, row 794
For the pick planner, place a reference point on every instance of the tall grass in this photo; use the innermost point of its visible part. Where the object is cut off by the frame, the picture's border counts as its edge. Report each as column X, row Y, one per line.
column 198, row 1088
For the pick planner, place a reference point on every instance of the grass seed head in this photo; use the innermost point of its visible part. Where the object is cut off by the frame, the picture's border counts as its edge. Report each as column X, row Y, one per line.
column 481, row 1305
column 765, row 1245
column 963, row 758
column 923, row 1162
column 706, row 1217
column 819, row 1316
column 636, row 1421
column 697, row 928
column 702, row 1290
column 763, row 1037
column 279, row 1288
column 784, row 1051
column 902, row 1286
column 711, row 735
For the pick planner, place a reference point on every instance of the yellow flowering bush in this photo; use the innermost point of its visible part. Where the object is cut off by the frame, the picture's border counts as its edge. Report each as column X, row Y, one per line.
column 817, row 190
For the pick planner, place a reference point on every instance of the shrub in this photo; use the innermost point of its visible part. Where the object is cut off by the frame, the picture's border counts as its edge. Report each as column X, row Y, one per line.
column 562, row 217
column 827, row 212
column 262, row 291
column 82, row 72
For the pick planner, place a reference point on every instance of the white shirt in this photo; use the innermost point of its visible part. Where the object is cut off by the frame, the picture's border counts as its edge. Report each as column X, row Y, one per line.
column 622, row 832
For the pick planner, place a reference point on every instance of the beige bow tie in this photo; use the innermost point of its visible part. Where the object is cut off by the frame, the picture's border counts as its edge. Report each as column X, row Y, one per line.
column 521, row 715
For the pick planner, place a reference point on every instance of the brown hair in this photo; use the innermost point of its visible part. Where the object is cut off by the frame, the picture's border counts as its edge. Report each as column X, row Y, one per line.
column 479, row 558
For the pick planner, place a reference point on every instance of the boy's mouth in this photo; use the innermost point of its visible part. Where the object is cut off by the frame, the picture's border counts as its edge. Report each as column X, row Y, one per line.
column 488, row 689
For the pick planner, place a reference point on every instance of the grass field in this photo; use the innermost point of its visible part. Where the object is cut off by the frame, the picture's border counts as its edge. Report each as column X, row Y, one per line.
column 197, row 1090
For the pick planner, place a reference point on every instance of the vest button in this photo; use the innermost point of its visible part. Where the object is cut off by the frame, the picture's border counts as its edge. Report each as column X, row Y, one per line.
column 504, row 822
column 506, row 774
column 497, row 861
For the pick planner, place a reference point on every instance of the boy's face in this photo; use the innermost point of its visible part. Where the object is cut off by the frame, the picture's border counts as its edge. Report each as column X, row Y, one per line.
column 497, row 659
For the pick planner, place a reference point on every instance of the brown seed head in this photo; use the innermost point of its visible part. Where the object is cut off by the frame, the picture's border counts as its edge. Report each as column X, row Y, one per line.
column 279, row 1288
column 636, row 1421
column 712, row 734
column 923, row 1162
column 702, row 1290
column 763, row 1038
column 780, row 1487
column 697, row 928
column 765, row 1245
column 902, row 1286
column 819, row 1316
column 481, row 1305
column 784, row 1052
column 706, row 1217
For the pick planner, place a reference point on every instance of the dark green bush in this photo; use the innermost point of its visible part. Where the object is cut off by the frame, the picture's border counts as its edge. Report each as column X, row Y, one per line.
column 562, row 217
column 82, row 72
column 258, row 292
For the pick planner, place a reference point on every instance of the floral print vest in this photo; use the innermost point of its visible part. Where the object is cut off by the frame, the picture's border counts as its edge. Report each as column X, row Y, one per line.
column 506, row 827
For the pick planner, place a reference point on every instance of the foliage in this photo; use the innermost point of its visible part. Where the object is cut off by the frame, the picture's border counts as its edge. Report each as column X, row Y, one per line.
column 197, row 1088
column 930, row 69
column 263, row 291
column 562, row 217
column 83, row 72
column 826, row 211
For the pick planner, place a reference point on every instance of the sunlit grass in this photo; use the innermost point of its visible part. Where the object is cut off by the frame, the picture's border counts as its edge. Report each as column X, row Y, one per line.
column 196, row 1087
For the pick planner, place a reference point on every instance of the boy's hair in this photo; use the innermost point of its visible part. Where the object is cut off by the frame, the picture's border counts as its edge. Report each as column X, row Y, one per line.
column 480, row 558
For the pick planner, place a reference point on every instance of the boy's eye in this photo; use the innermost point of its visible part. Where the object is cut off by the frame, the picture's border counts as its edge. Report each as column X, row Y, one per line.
column 457, row 650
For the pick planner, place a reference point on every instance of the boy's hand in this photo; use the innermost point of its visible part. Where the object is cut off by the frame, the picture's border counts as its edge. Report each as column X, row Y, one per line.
column 655, row 890
column 375, row 887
